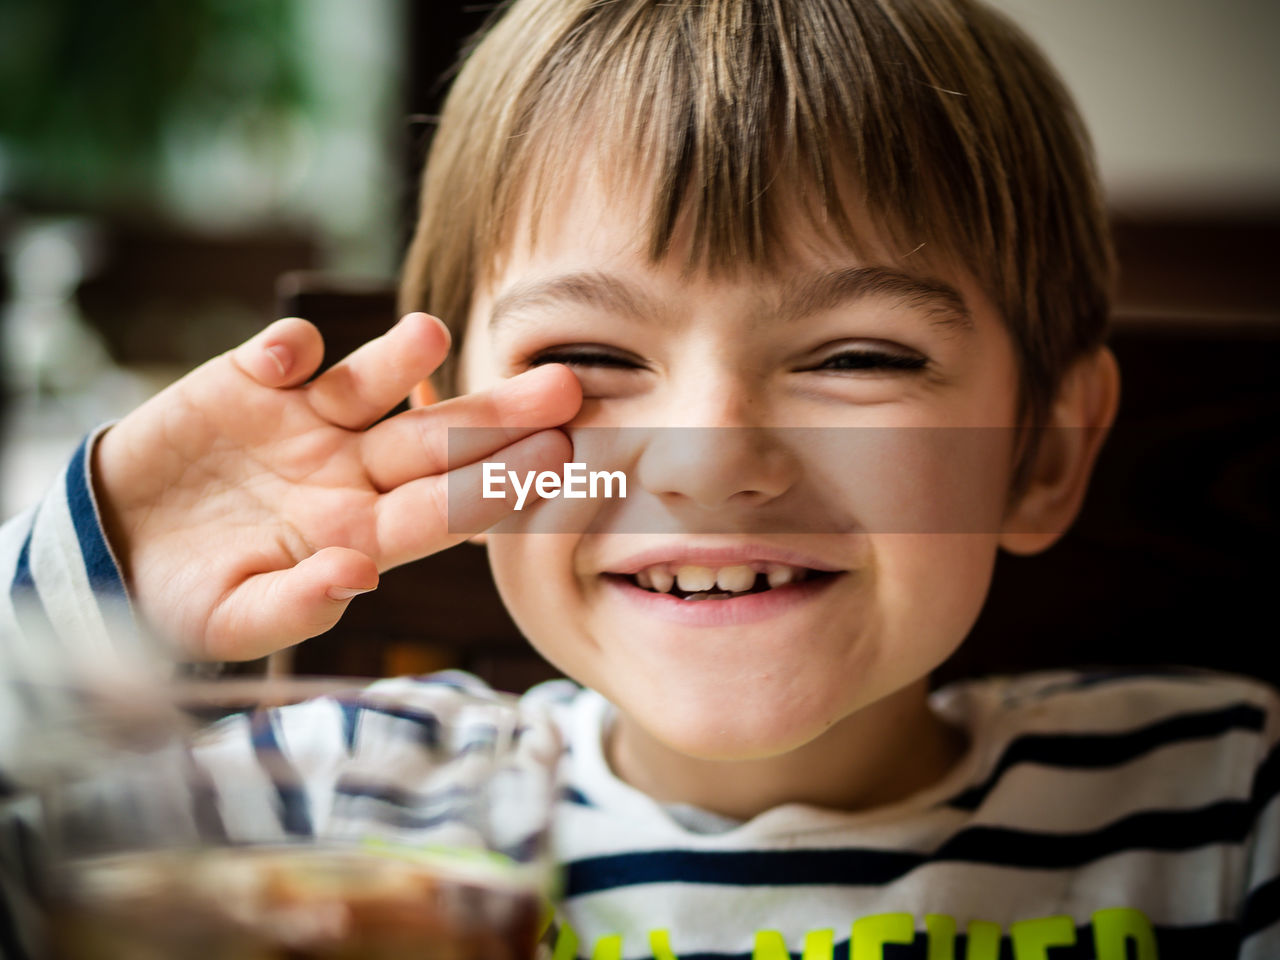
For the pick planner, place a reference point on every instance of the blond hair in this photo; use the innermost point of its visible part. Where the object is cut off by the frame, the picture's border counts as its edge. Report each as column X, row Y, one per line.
column 735, row 114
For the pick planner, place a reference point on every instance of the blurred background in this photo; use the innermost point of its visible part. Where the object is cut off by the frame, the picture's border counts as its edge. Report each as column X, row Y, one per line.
column 164, row 165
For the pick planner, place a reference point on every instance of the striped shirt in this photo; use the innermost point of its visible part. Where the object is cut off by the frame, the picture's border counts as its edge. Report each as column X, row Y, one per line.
column 1095, row 815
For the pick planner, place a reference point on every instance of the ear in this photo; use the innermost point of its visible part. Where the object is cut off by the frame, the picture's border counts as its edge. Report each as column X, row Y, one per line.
column 1059, row 473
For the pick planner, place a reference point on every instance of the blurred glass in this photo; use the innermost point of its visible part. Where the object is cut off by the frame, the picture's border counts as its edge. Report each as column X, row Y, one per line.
column 155, row 845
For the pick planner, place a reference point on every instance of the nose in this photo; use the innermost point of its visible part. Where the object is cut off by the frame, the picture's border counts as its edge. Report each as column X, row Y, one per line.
column 716, row 450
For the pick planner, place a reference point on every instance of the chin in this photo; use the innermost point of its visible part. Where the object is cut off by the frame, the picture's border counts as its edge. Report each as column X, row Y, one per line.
column 746, row 727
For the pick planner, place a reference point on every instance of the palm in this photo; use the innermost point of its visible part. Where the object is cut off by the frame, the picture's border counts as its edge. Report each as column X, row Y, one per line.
column 247, row 513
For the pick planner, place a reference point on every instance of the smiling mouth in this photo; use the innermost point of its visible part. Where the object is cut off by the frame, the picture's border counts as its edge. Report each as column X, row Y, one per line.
column 689, row 582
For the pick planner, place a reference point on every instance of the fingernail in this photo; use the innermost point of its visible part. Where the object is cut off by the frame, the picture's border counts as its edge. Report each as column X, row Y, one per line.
column 405, row 319
column 282, row 358
column 346, row 593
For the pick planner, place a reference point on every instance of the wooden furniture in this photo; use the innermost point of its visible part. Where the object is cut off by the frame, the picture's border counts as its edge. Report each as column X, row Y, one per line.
column 1173, row 559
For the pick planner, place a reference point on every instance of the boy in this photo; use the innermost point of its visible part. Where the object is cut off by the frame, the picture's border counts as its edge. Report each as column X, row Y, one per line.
column 829, row 214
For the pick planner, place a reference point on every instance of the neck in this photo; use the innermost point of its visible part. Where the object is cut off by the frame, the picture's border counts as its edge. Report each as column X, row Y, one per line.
column 883, row 753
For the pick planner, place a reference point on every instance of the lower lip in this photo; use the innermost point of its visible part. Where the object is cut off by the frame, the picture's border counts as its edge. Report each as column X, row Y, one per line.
column 751, row 608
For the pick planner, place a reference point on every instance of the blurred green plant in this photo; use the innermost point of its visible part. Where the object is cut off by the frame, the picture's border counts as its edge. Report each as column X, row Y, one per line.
column 88, row 89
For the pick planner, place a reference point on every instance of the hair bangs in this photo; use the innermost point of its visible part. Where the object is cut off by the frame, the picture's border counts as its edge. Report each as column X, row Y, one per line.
column 724, row 119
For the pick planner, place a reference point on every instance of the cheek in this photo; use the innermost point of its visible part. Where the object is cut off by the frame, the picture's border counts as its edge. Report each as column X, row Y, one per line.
column 931, row 588
column 914, row 479
column 543, row 605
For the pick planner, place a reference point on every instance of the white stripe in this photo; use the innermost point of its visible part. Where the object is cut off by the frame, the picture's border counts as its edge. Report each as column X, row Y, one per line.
column 246, row 797
column 61, row 579
column 1066, row 800
column 1113, row 707
column 13, row 535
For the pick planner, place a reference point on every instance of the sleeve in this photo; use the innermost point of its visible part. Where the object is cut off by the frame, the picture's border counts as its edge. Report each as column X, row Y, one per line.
column 61, row 590
column 62, row 601
column 1260, row 914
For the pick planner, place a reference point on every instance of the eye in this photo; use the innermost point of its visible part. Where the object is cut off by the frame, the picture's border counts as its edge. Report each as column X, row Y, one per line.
column 864, row 358
column 587, row 357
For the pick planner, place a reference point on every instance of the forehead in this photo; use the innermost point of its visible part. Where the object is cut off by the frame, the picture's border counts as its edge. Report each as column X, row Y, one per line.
column 589, row 243
column 593, row 219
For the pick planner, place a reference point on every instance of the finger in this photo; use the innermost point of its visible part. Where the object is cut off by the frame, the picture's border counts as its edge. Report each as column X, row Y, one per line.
column 271, row 611
column 285, row 354
column 430, row 514
column 432, row 440
column 423, row 394
column 359, row 389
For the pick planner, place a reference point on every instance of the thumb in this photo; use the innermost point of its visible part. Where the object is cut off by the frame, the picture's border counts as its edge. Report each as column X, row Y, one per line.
column 271, row 611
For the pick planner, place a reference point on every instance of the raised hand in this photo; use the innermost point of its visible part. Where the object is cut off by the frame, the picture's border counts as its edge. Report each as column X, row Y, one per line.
column 247, row 506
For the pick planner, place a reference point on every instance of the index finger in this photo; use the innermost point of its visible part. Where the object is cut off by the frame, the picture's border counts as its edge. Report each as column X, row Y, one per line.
column 363, row 386
column 417, row 443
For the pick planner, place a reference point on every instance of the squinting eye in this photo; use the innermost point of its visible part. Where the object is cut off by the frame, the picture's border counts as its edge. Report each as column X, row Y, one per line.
column 871, row 360
column 585, row 358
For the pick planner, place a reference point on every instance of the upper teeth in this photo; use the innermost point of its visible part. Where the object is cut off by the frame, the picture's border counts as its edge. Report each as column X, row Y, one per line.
column 693, row 579
column 780, row 575
column 732, row 579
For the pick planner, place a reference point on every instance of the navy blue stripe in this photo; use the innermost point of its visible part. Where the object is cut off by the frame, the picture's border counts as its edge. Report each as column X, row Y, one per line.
column 104, row 577
column 738, row 868
column 350, row 723
column 427, row 724
column 23, row 581
column 1095, row 750
column 1196, row 943
column 408, row 820
column 404, row 799
column 526, row 849
column 575, row 796
column 205, row 810
column 1224, row 822
column 295, row 809
column 448, row 806
column 1262, row 908
column 1227, row 821
column 429, row 728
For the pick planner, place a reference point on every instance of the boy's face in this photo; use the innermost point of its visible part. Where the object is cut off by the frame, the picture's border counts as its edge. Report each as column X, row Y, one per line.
column 801, row 347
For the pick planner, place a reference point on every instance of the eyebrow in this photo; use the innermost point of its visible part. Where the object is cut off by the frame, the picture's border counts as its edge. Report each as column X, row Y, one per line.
column 597, row 290
column 800, row 298
column 836, row 288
